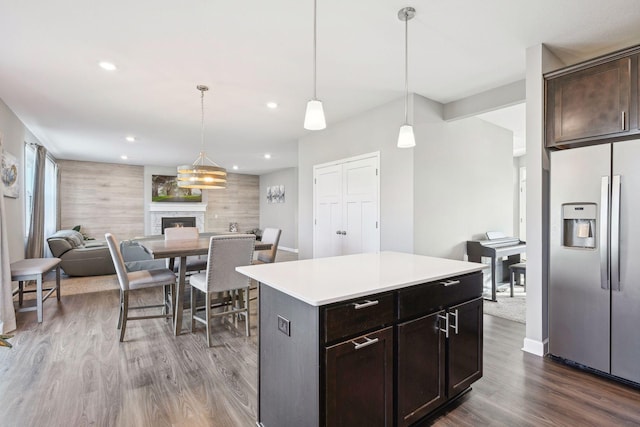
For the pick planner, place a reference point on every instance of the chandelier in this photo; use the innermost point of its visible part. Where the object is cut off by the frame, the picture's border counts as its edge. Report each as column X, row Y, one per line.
column 199, row 174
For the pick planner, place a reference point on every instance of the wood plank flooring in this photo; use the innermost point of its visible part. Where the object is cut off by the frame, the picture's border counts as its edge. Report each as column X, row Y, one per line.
column 72, row 371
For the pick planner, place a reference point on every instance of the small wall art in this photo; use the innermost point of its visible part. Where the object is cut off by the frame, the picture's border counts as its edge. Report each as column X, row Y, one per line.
column 10, row 174
column 275, row 194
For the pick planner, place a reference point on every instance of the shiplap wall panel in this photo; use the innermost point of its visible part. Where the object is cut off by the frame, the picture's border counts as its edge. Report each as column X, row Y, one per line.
column 239, row 202
column 102, row 197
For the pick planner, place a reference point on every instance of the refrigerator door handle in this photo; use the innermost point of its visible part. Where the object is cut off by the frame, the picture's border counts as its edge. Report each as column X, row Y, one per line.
column 604, row 233
column 615, row 233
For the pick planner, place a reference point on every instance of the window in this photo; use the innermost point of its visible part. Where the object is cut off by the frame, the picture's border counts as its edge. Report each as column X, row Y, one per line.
column 50, row 193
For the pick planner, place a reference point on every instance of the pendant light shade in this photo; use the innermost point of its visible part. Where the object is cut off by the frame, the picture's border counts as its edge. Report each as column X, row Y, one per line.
column 314, row 116
column 406, row 139
column 199, row 174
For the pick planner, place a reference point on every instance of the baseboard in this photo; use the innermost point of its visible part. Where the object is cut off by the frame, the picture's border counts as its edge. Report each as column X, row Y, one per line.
column 539, row 348
column 283, row 248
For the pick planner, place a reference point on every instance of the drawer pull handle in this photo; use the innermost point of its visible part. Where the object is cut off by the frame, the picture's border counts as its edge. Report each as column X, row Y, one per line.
column 450, row 283
column 365, row 304
column 367, row 342
column 454, row 326
column 446, row 324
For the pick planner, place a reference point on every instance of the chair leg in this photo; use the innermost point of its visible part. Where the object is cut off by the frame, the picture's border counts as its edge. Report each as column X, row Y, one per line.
column 246, row 310
column 193, row 308
column 125, row 313
column 512, row 281
column 58, row 282
column 208, row 318
column 39, row 297
column 120, row 313
column 20, row 291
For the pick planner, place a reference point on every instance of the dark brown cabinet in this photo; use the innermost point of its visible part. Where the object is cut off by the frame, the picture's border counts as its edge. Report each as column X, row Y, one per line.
column 421, row 368
column 440, row 354
column 382, row 360
column 359, row 381
column 464, row 350
column 589, row 104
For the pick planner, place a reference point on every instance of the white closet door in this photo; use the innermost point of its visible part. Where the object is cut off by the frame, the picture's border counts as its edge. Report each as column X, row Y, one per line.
column 346, row 206
column 360, row 206
column 328, row 211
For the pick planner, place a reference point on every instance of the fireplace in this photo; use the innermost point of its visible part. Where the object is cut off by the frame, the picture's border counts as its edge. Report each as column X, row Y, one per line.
column 178, row 221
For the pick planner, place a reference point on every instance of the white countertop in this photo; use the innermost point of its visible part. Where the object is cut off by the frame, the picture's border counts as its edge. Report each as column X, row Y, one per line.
column 326, row 280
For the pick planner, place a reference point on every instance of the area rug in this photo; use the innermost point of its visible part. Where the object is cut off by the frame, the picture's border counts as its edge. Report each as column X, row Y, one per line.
column 507, row 307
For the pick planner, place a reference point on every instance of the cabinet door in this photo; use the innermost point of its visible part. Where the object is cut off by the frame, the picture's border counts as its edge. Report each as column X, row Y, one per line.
column 359, row 381
column 589, row 104
column 464, row 346
column 421, row 368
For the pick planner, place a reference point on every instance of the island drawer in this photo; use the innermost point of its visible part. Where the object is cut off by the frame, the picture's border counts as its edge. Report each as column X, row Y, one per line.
column 356, row 316
column 433, row 296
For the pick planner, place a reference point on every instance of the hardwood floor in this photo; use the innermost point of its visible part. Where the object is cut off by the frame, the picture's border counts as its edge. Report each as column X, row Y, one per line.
column 72, row 371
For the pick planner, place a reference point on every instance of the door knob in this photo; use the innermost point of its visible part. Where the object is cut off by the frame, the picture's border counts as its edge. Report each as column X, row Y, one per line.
column 344, row 233
column 338, row 232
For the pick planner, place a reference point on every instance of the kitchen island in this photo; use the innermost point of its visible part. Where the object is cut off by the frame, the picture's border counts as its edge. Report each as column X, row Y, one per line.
column 375, row 339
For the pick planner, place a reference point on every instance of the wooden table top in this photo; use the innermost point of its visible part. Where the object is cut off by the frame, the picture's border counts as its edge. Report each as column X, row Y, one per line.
column 178, row 248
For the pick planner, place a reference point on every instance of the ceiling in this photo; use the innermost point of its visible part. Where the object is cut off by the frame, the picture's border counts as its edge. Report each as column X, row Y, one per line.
column 256, row 51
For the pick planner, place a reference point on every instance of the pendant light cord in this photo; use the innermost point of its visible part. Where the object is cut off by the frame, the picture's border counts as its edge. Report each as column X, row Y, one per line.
column 315, row 31
column 202, row 126
column 406, row 68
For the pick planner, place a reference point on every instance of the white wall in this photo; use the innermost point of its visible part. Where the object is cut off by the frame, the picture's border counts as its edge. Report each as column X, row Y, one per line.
column 539, row 61
column 281, row 215
column 431, row 197
column 14, row 135
column 463, row 181
column 518, row 162
column 373, row 130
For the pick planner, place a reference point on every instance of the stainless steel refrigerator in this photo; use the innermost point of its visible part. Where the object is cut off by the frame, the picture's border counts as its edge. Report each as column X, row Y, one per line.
column 594, row 250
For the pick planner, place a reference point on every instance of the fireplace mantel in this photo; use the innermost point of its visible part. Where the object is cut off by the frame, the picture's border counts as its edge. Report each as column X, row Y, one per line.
column 159, row 210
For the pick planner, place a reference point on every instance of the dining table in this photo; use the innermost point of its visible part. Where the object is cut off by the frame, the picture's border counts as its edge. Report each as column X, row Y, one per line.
column 174, row 249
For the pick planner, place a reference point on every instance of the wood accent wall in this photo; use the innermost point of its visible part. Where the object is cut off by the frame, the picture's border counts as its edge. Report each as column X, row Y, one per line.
column 102, row 197
column 239, row 202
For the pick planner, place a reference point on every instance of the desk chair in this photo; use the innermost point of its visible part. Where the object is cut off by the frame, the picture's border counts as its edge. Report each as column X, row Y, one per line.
column 136, row 280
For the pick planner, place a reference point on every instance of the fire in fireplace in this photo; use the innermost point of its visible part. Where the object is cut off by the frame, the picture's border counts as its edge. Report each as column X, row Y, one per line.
column 178, row 221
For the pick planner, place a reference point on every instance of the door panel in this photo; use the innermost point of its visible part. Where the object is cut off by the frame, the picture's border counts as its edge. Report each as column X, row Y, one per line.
column 465, row 346
column 346, row 208
column 328, row 211
column 361, row 206
column 579, row 308
column 421, row 368
column 359, row 381
column 625, row 316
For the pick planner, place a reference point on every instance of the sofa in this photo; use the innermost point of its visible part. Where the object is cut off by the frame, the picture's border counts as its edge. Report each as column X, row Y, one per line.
column 81, row 257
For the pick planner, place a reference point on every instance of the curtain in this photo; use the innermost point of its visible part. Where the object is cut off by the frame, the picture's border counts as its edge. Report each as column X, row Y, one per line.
column 7, row 312
column 35, row 241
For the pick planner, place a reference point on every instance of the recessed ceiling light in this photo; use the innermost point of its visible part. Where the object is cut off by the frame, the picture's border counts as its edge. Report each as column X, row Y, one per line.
column 267, row 156
column 131, row 138
column 124, row 157
column 235, row 167
column 107, row 66
column 272, row 105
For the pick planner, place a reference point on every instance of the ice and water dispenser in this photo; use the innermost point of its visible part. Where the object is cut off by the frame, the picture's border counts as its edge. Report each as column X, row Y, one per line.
column 579, row 225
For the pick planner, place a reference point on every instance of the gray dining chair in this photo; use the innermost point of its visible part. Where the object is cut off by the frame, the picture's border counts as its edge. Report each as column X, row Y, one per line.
column 194, row 263
column 269, row 235
column 137, row 280
column 226, row 252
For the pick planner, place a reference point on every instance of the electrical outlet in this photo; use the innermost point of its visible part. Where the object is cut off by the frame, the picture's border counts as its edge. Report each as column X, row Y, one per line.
column 284, row 326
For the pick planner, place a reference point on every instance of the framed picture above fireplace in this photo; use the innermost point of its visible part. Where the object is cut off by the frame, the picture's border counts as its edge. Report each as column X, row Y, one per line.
column 164, row 188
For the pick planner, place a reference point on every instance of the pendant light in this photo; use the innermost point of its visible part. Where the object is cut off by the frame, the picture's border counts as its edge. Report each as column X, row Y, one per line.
column 406, row 139
column 200, row 175
column 314, row 116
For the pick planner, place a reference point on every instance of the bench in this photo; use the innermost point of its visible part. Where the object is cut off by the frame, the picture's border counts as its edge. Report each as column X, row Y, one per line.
column 34, row 269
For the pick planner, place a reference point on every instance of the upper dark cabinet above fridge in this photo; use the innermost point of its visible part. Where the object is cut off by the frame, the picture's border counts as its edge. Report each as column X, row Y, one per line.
column 593, row 102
